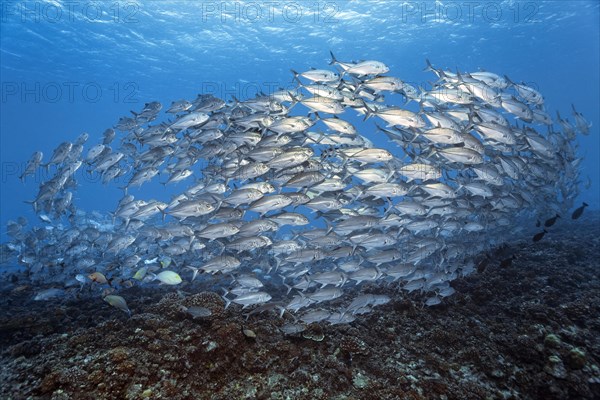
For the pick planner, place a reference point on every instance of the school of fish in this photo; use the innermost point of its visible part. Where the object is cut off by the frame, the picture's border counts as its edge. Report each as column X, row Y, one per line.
column 286, row 206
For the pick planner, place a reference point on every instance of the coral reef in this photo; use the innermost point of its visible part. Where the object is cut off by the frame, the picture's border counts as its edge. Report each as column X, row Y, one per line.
column 528, row 330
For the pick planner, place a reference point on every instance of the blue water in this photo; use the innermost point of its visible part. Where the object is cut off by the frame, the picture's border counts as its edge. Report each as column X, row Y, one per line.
column 69, row 67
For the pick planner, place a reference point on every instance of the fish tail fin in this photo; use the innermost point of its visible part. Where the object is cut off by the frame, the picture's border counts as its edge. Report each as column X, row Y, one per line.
column 429, row 67
column 359, row 193
column 387, row 212
column 432, row 152
column 321, row 137
column 459, row 76
column 416, row 134
column 33, row 204
column 195, row 272
column 369, row 112
column 389, row 201
column 329, row 226
column 361, row 261
column 296, row 74
column 224, row 297
column 333, row 59
column 282, row 311
column 295, row 99
column 163, row 213
column 112, row 216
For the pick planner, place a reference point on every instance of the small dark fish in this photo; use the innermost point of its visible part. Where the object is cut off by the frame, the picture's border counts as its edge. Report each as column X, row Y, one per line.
column 507, row 262
column 538, row 224
column 551, row 221
column 538, row 236
column 577, row 213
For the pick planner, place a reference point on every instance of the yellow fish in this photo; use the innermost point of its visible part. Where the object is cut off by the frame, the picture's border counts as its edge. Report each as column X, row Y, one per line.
column 141, row 273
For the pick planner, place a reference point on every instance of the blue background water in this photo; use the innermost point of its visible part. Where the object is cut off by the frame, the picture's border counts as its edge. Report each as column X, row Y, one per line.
column 77, row 66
